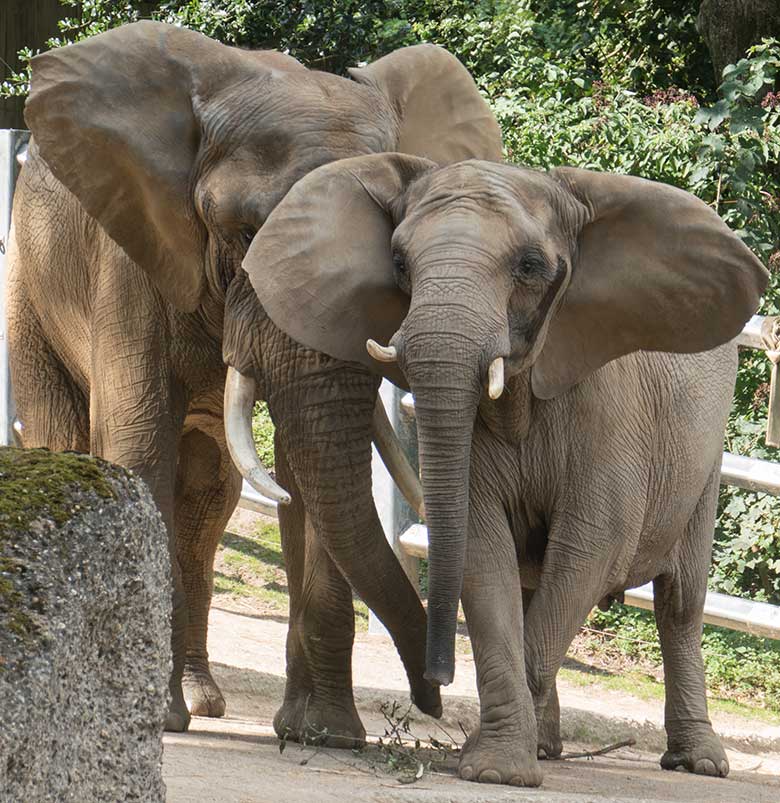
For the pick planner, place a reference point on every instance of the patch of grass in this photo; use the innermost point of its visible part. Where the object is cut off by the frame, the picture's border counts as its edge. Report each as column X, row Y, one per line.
column 638, row 684
column 741, row 669
column 250, row 567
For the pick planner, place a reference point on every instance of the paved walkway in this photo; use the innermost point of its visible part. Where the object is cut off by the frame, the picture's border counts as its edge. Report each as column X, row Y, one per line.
column 237, row 759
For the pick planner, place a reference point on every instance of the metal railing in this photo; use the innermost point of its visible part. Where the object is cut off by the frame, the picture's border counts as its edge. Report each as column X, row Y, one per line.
column 408, row 538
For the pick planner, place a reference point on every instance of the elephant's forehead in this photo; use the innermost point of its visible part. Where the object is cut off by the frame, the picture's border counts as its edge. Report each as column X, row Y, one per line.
column 297, row 111
column 518, row 196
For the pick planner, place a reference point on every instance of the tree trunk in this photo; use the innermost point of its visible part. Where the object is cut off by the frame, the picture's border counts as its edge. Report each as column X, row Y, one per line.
column 730, row 27
column 23, row 23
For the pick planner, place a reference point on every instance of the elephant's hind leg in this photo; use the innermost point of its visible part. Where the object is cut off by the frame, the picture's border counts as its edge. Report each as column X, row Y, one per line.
column 679, row 605
column 318, row 702
column 548, row 741
column 207, row 490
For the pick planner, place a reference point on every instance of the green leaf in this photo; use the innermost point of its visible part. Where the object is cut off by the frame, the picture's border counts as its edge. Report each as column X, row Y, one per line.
column 713, row 116
column 747, row 118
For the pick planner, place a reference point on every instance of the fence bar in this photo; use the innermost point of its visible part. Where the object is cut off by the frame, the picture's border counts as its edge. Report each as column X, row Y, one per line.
column 12, row 144
column 750, row 336
column 750, row 473
column 756, row 618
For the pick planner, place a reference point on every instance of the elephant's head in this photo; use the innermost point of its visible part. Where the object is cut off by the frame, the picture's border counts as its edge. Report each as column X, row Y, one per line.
column 180, row 147
column 477, row 273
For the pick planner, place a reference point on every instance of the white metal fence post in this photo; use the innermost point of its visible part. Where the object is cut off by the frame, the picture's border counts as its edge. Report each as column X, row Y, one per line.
column 12, row 143
column 394, row 513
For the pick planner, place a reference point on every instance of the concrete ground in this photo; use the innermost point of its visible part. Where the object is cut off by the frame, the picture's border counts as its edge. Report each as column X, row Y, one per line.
column 237, row 759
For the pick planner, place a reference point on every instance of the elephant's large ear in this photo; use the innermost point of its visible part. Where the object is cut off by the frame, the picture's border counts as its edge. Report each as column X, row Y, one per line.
column 321, row 265
column 112, row 117
column 441, row 113
column 656, row 269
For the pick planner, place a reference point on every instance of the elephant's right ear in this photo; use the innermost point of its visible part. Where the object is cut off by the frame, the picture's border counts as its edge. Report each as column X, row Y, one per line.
column 441, row 114
column 321, row 265
column 112, row 117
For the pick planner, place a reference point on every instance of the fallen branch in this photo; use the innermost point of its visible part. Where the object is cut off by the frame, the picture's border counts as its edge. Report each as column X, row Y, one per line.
column 594, row 753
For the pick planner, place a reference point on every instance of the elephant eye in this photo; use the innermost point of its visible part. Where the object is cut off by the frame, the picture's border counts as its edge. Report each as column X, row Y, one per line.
column 533, row 263
column 246, row 235
column 398, row 263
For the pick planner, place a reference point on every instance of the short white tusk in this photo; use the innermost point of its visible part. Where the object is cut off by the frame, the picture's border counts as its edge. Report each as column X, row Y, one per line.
column 239, row 401
column 496, row 378
column 381, row 353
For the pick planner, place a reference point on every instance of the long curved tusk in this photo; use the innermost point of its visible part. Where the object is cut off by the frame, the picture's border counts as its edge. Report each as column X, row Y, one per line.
column 393, row 456
column 381, row 353
column 496, row 378
column 239, row 401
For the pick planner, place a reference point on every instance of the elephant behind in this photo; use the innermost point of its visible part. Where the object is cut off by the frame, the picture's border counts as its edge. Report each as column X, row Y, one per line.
column 568, row 345
column 157, row 155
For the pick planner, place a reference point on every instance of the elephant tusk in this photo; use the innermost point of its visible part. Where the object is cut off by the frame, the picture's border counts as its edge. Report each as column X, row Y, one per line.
column 239, row 401
column 394, row 458
column 496, row 378
column 381, row 353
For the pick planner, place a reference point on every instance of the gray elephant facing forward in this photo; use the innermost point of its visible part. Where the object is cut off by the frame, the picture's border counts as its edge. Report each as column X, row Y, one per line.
column 567, row 343
column 158, row 154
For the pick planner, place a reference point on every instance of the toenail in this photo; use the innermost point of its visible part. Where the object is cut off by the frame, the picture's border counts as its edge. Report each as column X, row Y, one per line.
column 490, row 776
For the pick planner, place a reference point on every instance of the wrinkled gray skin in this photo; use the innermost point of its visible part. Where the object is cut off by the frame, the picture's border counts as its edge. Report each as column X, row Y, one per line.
column 566, row 489
column 176, row 148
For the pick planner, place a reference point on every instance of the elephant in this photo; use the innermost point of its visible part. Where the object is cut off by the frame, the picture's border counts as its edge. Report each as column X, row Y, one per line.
column 156, row 156
column 568, row 338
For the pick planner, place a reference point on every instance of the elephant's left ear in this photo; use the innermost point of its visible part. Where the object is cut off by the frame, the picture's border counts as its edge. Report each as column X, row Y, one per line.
column 321, row 265
column 655, row 269
column 442, row 116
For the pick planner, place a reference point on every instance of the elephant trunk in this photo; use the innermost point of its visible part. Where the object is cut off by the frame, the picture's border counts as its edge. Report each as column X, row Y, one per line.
column 446, row 371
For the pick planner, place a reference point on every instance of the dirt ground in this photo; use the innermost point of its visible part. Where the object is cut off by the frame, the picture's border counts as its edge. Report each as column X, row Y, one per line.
column 237, row 759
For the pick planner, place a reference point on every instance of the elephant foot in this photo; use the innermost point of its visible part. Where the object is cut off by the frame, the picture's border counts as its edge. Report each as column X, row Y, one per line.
column 703, row 755
column 499, row 759
column 201, row 693
column 548, row 746
column 177, row 720
column 426, row 697
column 317, row 722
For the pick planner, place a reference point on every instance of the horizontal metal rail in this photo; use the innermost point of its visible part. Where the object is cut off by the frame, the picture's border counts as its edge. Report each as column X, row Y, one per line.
column 756, row 618
column 751, row 335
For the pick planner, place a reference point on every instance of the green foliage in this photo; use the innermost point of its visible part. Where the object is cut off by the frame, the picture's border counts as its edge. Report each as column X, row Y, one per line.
column 738, row 666
column 263, row 431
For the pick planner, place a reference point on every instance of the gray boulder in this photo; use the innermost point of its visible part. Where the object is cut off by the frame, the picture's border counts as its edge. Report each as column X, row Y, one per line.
column 85, row 600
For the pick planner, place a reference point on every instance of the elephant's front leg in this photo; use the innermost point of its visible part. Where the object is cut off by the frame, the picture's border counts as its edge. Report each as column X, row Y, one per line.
column 318, row 703
column 679, row 604
column 325, row 426
column 207, row 490
column 504, row 748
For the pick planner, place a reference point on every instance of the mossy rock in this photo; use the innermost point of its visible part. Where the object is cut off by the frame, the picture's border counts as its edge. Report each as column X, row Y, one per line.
column 38, row 484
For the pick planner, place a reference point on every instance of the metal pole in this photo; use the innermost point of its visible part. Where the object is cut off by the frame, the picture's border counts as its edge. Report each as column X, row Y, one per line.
column 12, row 146
column 394, row 514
